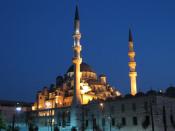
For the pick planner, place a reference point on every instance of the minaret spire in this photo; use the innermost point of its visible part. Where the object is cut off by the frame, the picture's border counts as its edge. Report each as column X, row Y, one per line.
column 132, row 66
column 130, row 36
column 76, row 13
column 76, row 22
column 76, row 60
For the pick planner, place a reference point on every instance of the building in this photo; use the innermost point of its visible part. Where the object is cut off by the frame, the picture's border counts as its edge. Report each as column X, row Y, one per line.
column 61, row 94
column 143, row 112
column 13, row 113
column 82, row 100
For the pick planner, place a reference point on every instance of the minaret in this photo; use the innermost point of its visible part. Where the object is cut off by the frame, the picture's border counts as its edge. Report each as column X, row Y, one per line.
column 132, row 66
column 77, row 60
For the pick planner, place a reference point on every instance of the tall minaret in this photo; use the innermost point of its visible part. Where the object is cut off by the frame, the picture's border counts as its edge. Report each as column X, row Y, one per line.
column 132, row 66
column 77, row 60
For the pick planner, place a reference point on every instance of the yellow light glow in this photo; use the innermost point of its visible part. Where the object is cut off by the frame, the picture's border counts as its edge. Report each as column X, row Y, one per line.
column 86, row 98
column 118, row 93
column 48, row 104
column 39, row 106
column 85, row 89
column 33, row 107
column 56, row 100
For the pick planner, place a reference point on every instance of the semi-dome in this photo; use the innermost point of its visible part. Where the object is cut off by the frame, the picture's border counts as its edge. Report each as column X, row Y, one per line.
column 83, row 68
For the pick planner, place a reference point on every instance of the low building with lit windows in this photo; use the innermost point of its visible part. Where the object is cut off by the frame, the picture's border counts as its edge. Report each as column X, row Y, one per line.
column 142, row 112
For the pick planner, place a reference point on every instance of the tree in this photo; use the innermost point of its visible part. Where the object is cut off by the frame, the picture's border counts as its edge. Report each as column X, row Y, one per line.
column 170, row 91
column 2, row 123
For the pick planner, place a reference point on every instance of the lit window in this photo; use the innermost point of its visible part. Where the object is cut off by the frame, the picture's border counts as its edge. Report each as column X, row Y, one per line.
column 48, row 104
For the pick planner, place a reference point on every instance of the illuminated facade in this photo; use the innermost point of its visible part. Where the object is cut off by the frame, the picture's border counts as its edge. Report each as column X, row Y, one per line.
column 61, row 94
column 77, row 87
column 83, row 101
column 132, row 66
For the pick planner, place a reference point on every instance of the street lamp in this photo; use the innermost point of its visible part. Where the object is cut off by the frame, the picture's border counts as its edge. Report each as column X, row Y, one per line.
column 17, row 110
column 101, row 106
column 109, row 117
column 103, row 119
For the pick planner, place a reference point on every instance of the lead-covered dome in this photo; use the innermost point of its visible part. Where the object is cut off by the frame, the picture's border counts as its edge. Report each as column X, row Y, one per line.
column 83, row 68
column 86, row 72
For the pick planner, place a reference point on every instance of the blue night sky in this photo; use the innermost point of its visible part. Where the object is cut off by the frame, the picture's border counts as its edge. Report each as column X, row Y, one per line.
column 36, row 42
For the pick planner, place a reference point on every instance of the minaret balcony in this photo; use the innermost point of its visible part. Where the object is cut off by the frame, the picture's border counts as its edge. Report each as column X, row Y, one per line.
column 77, row 48
column 77, row 35
column 132, row 74
column 76, row 60
column 131, row 54
column 132, row 65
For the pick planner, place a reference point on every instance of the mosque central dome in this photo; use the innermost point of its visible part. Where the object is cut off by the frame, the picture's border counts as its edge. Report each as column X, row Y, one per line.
column 83, row 68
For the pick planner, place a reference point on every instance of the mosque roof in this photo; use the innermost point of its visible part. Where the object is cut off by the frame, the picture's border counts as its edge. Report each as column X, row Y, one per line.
column 83, row 68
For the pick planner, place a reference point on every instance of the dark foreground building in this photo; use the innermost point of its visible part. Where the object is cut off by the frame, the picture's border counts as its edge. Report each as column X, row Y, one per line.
column 14, row 114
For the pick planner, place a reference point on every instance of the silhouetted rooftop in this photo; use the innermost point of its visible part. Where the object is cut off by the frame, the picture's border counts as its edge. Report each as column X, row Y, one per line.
column 14, row 103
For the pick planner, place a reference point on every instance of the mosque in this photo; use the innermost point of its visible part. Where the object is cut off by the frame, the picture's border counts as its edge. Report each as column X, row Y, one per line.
column 88, row 86
column 83, row 100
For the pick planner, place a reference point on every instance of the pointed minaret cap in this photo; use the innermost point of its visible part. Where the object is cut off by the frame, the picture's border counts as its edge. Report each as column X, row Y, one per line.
column 130, row 36
column 76, row 13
